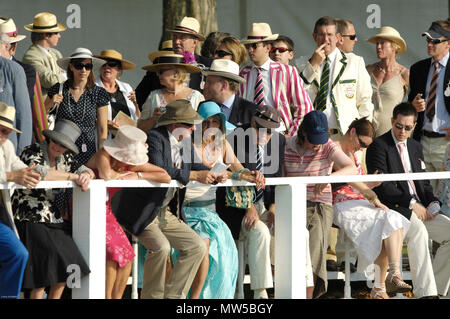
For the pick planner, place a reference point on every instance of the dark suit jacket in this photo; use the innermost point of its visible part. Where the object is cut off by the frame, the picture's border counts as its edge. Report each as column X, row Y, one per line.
column 418, row 84
column 135, row 208
column 30, row 73
column 233, row 216
column 150, row 82
column 242, row 111
column 382, row 155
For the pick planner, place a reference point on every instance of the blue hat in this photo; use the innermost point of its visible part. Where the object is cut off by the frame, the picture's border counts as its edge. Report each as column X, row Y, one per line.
column 436, row 31
column 316, row 127
column 209, row 108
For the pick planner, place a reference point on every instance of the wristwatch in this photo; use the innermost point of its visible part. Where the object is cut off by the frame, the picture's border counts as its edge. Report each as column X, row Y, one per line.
column 139, row 174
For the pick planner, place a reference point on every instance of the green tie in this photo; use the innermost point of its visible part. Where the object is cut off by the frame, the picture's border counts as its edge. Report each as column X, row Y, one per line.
column 321, row 98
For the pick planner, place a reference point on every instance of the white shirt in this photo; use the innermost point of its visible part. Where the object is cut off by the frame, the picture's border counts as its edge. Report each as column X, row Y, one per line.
column 268, row 98
column 407, row 160
column 329, row 111
column 174, row 146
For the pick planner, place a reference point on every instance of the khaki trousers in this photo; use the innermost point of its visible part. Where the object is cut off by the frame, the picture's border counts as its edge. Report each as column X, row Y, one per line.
column 434, row 155
column 158, row 237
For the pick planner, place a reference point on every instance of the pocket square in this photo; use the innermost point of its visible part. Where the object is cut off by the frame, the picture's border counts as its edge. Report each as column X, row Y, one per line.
column 422, row 164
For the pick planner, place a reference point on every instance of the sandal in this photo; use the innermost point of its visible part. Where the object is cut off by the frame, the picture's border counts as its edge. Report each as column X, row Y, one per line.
column 395, row 284
column 378, row 293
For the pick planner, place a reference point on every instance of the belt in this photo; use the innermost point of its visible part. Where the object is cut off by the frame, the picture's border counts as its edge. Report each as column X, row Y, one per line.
column 432, row 134
column 333, row 131
column 199, row 203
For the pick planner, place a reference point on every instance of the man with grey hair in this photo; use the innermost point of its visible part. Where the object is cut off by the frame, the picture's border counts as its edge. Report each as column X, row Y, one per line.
column 13, row 91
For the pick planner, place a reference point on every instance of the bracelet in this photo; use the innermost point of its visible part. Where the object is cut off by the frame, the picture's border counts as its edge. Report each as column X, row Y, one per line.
column 235, row 175
column 372, row 200
column 139, row 175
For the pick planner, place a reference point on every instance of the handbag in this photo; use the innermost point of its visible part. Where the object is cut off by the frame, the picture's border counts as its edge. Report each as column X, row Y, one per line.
column 51, row 116
column 240, row 196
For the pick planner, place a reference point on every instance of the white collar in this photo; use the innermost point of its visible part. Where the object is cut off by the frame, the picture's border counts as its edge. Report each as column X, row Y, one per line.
column 332, row 55
column 43, row 49
column 265, row 66
column 229, row 102
column 443, row 61
column 397, row 141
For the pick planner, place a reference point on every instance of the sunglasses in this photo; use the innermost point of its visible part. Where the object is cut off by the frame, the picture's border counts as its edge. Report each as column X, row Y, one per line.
column 435, row 41
column 406, row 127
column 113, row 63
column 186, row 124
column 350, row 36
column 281, row 50
column 5, row 131
column 361, row 143
column 254, row 46
column 222, row 53
column 80, row 66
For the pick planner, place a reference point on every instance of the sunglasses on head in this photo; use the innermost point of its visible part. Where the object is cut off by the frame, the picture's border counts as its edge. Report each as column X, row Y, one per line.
column 401, row 127
column 113, row 63
column 350, row 36
column 222, row 53
column 435, row 41
column 80, row 66
column 281, row 50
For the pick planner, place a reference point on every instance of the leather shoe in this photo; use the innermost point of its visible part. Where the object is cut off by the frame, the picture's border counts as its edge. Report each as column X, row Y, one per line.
column 332, row 265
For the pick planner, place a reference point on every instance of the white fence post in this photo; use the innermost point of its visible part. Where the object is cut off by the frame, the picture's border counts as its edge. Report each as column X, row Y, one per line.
column 89, row 233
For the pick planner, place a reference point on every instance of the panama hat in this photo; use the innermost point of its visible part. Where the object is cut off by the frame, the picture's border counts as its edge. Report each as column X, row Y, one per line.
column 45, row 22
column 80, row 53
column 64, row 133
column 190, row 26
column 128, row 146
column 209, row 108
column 179, row 111
column 225, row 68
column 259, row 32
column 166, row 46
column 7, row 115
column 115, row 55
column 9, row 27
column 391, row 34
column 167, row 59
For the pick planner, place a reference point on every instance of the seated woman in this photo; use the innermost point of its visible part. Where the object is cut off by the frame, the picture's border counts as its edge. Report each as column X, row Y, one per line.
column 376, row 231
column 312, row 153
column 173, row 74
column 123, row 157
column 39, row 213
column 217, row 274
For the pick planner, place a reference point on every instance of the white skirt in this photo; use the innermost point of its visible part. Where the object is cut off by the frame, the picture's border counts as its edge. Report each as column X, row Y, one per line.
column 366, row 226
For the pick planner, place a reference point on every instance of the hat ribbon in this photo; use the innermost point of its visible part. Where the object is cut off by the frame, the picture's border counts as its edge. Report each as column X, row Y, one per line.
column 180, row 28
column 12, row 34
column 252, row 37
column 168, row 59
column 45, row 27
column 6, row 119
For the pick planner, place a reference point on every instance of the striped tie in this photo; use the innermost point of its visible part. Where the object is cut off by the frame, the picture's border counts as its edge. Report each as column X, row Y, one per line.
column 177, row 156
column 321, row 98
column 259, row 88
column 431, row 103
column 259, row 167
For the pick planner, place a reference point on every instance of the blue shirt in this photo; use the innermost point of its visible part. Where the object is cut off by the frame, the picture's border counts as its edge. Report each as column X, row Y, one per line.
column 227, row 106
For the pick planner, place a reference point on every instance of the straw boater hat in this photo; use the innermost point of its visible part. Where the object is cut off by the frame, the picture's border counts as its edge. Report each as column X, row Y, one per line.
column 45, row 22
column 169, row 58
column 166, row 46
column 189, row 26
column 7, row 115
column 115, row 55
column 179, row 111
column 225, row 68
column 9, row 27
column 65, row 133
column 80, row 53
column 390, row 33
column 259, row 32
column 128, row 146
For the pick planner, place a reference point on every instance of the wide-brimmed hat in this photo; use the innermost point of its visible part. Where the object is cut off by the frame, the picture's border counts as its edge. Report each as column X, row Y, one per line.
column 7, row 115
column 116, row 55
column 80, row 53
column 267, row 116
column 45, row 22
column 190, row 26
column 9, row 27
column 64, row 133
column 128, row 146
column 179, row 111
column 259, row 32
column 209, row 108
column 391, row 34
column 316, row 127
column 166, row 46
column 436, row 31
column 167, row 59
column 225, row 68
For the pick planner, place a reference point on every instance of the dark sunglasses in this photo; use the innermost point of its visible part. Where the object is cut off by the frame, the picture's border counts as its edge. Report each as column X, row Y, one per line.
column 222, row 53
column 435, row 41
column 350, row 36
column 113, row 63
column 401, row 127
column 361, row 143
column 281, row 50
column 80, row 66
column 252, row 45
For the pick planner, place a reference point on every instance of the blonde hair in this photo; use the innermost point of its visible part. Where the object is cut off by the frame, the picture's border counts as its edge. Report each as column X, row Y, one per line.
column 237, row 49
column 182, row 76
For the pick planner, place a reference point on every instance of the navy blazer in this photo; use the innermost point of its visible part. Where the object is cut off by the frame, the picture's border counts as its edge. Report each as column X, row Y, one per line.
column 136, row 208
column 418, row 84
column 30, row 73
column 382, row 155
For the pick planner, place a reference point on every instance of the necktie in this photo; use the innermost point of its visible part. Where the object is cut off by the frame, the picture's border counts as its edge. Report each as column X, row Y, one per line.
column 405, row 166
column 431, row 103
column 259, row 88
column 321, row 98
column 225, row 110
column 259, row 167
column 177, row 156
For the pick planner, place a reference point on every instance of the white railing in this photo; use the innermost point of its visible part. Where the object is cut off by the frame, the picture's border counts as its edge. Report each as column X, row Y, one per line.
column 89, row 225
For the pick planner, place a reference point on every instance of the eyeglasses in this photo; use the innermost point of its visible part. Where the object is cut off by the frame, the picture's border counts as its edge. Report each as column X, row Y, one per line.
column 281, row 50
column 80, row 66
column 435, row 41
column 350, row 36
column 113, row 63
column 222, row 53
column 254, row 46
column 401, row 127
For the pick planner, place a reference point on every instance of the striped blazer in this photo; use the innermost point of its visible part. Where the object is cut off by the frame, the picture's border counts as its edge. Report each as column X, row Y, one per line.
column 288, row 92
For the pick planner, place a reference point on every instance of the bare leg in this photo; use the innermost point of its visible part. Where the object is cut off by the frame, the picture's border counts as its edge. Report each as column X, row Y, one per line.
column 309, row 292
column 121, row 280
column 394, row 245
column 37, row 293
column 202, row 272
column 379, row 289
column 56, row 290
column 111, row 275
